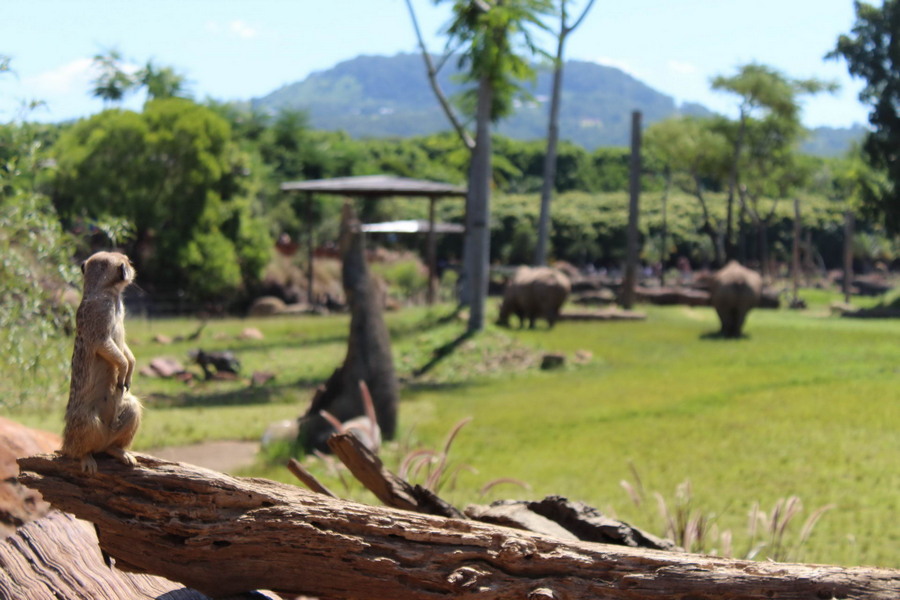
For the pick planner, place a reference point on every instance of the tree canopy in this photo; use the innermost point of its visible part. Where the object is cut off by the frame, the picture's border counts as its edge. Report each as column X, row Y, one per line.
column 175, row 174
column 872, row 52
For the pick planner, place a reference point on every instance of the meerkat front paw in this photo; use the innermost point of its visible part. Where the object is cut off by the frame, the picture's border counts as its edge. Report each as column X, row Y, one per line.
column 88, row 464
column 126, row 458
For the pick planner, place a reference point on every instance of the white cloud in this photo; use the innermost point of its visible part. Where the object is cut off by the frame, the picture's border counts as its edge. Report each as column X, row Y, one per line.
column 242, row 29
column 236, row 28
column 70, row 77
column 682, row 68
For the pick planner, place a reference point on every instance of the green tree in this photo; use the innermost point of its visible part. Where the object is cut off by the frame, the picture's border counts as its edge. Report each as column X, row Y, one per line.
column 175, row 173
column 872, row 52
column 492, row 39
column 161, row 82
column 36, row 272
column 550, row 159
column 695, row 156
column 763, row 93
column 112, row 82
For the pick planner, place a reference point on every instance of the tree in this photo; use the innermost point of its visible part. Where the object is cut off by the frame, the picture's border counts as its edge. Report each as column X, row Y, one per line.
column 694, row 154
column 161, row 82
column 177, row 176
column 872, row 52
column 763, row 92
column 490, row 37
column 540, row 253
column 112, row 82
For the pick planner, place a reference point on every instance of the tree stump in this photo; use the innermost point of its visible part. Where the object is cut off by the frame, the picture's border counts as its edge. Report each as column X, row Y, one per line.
column 368, row 356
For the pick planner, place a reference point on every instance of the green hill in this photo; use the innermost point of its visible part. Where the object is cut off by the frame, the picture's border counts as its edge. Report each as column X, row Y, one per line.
column 389, row 96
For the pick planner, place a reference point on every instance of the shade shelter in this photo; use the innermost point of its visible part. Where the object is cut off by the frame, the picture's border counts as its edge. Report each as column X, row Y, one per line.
column 380, row 186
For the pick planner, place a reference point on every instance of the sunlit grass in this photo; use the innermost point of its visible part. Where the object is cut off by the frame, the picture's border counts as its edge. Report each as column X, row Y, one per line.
column 806, row 404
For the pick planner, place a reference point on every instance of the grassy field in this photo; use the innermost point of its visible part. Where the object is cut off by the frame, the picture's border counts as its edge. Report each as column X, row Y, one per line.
column 806, row 405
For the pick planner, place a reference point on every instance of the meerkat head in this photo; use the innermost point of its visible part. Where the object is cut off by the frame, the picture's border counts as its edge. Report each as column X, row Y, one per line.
column 105, row 270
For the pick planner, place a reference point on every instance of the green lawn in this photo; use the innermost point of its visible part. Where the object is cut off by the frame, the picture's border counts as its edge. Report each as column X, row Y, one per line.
column 805, row 405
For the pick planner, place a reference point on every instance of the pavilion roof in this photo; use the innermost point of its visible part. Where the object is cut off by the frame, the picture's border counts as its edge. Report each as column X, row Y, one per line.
column 412, row 226
column 375, row 185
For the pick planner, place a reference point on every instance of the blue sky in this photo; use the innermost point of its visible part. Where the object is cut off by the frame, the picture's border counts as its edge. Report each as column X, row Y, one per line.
column 240, row 49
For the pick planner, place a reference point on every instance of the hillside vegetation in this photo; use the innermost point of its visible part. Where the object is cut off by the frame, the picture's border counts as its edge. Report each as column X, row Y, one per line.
column 388, row 96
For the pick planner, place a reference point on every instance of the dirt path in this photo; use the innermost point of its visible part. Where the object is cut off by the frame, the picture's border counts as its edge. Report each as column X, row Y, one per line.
column 224, row 456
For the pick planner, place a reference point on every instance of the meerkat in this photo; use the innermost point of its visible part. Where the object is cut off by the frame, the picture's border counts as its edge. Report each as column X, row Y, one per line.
column 102, row 415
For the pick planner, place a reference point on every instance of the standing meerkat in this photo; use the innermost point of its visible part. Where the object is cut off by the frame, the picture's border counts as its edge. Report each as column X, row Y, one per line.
column 102, row 415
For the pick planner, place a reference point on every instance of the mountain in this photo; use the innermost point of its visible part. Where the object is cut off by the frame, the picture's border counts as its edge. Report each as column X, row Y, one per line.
column 831, row 141
column 389, row 96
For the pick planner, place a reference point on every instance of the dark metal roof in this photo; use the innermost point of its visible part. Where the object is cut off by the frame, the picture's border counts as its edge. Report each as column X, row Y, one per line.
column 412, row 226
column 375, row 185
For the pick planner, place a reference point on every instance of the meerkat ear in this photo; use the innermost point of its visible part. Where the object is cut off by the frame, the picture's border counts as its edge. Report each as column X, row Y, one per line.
column 83, row 263
column 123, row 271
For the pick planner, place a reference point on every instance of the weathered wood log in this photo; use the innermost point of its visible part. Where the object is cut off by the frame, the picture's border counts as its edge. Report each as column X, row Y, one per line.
column 223, row 535
column 57, row 558
column 392, row 490
column 307, row 478
column 563, row 518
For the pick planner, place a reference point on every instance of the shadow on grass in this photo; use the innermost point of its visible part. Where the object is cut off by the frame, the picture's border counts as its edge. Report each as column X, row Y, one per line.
column 430, row 321
column 247, row 395
column 441, row 353
column 719, row 336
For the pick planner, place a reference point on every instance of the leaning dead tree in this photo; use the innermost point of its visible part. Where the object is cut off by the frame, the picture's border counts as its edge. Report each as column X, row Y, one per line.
column 224, row 535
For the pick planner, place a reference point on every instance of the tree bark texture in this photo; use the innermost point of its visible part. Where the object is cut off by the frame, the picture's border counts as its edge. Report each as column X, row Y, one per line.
column 368, row 356
column 57, row 558
column 480, row 177
column 634, row 192
column 224, row 535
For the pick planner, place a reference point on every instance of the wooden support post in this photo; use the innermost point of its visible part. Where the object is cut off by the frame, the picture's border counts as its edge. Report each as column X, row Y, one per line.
column 795, row 251
column 224, row 535
column 431, row 252
column 310, row 298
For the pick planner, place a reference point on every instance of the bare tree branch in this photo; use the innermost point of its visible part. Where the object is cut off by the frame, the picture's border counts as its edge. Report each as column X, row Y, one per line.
column 435, row 86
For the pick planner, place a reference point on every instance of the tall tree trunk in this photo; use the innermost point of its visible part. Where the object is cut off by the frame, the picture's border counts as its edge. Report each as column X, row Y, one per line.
column 634, row 186
column 480, row 207
column 732, row 188
column 548, row 184
column 550, row 158
column 848, row 255
column 795, row 251
column 664, row 244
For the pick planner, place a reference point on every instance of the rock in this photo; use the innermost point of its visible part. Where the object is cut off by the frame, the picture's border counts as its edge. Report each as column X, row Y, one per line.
column 18, row 504
column 261, row 377
column 163, row 366
column 251, row 333
column 265, row 306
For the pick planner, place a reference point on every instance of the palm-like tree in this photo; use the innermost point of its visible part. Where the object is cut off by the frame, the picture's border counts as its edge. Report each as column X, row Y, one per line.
column 112, row 82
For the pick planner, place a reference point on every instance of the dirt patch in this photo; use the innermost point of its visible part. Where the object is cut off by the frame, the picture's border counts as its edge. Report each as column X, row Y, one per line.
column 224, row 456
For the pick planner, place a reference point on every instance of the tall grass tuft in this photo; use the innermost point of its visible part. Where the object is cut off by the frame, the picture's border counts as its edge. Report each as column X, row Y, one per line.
column 770, row 535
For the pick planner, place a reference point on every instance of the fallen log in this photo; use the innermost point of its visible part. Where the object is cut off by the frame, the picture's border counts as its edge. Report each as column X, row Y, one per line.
column 224, row 535
column 56, row 557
